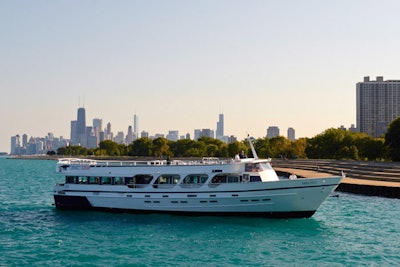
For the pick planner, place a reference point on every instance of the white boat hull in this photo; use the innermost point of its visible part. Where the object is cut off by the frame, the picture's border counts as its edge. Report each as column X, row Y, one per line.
column 285, row 198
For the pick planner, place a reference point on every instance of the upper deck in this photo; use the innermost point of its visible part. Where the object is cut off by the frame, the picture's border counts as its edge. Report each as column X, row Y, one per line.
column 70, row 162
column 212, row 166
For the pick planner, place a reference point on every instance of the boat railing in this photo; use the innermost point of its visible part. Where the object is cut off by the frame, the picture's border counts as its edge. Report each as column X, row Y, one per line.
column 98, row 163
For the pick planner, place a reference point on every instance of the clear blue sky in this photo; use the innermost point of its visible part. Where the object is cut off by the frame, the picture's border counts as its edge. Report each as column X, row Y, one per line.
column 177, row 64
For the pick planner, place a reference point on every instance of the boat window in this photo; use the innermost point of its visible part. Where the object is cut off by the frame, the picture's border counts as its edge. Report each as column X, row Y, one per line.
column 257, row 167
column 106, row 180
column 70, row 179
column 233, row 179
column 94, row 180
column 225, row 178
column 255, row 179
column 142, row 179
column 253, row 167
column 195, row 179
column 83, row 180
column 119, row 180
column 218, row 179
column 128, row 180
column 167, row 179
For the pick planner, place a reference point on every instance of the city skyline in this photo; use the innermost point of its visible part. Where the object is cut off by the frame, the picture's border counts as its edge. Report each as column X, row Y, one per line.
column 176, row 63
column 89, row 136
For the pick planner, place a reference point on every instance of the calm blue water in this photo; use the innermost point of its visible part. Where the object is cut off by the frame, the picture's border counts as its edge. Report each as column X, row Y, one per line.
column 349, row 230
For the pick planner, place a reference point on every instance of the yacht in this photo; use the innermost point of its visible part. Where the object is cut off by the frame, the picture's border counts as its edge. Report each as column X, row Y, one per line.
column 208, row 186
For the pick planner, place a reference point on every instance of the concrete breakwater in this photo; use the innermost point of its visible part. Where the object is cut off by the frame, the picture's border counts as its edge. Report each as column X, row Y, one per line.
column 362, row 177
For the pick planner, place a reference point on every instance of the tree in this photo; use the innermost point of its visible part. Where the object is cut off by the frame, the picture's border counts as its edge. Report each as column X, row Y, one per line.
column 180, row 147
column 281, row 147
column 236, row 147
column 142, row 147
column 326, row 145
column 111, row 148
column 211, row 150
column 392, row 139
column 161, row 147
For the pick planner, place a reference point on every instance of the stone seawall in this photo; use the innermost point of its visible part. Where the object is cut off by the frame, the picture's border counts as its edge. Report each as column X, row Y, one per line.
column 366, row 178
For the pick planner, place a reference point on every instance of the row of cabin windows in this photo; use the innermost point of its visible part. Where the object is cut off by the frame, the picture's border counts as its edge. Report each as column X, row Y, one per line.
column 162, row 179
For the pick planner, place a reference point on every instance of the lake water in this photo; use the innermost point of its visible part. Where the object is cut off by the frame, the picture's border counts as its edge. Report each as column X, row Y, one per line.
column 348, row 230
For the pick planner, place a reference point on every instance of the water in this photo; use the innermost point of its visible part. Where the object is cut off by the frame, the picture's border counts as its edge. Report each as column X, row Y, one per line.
column 349, row 230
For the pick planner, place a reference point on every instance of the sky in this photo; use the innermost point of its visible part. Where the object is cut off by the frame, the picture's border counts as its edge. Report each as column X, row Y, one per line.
column 178, row 64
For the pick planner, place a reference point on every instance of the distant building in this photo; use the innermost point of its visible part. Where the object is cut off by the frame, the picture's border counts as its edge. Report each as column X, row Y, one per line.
column 102, row 136
column 92, row 140
column 15, row 145
column 197, row 134
column 158, row 135
column 232, row 139
column 145, row 134
column 207, row 133
column 81, row 127
column 353, row 129
column 97, row 127
column 220, row 127
column 272, row 131
column 129, row 136
column 203, row 133
column 173, row 135
column 24, row 140
column 135, row 127
column 378, row 104
column 108, row 133
column 73, row 136
column 119, row 138
column 291, row 134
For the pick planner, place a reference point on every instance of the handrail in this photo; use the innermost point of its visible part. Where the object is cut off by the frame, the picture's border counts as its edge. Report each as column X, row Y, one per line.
column 85, row 162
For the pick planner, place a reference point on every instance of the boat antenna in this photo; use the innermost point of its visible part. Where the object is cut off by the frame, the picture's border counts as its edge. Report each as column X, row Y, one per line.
column 252, row 147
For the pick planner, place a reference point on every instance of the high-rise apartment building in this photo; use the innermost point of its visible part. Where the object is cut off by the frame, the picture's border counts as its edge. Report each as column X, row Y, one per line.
column 291, row 134
column 378, row 104
column 272, row 131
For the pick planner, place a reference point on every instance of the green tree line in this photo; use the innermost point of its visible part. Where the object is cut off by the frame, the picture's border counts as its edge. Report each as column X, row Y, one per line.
column 330, row 144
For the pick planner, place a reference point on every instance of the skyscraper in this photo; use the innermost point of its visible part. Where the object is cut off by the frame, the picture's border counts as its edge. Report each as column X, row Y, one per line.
column 136, row 126
column 272, row 131
column 291, row 134
column 97, row 126
column 81, row 127
column 378, row 104
column 73, row 137
column 220, row 126
column 108, row 132
column 15, row 145
column 129, row 136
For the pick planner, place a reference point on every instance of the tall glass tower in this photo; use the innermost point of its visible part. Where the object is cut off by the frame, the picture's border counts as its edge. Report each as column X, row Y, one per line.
column 220, row 126
column 136, row 126
column 81, row 127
